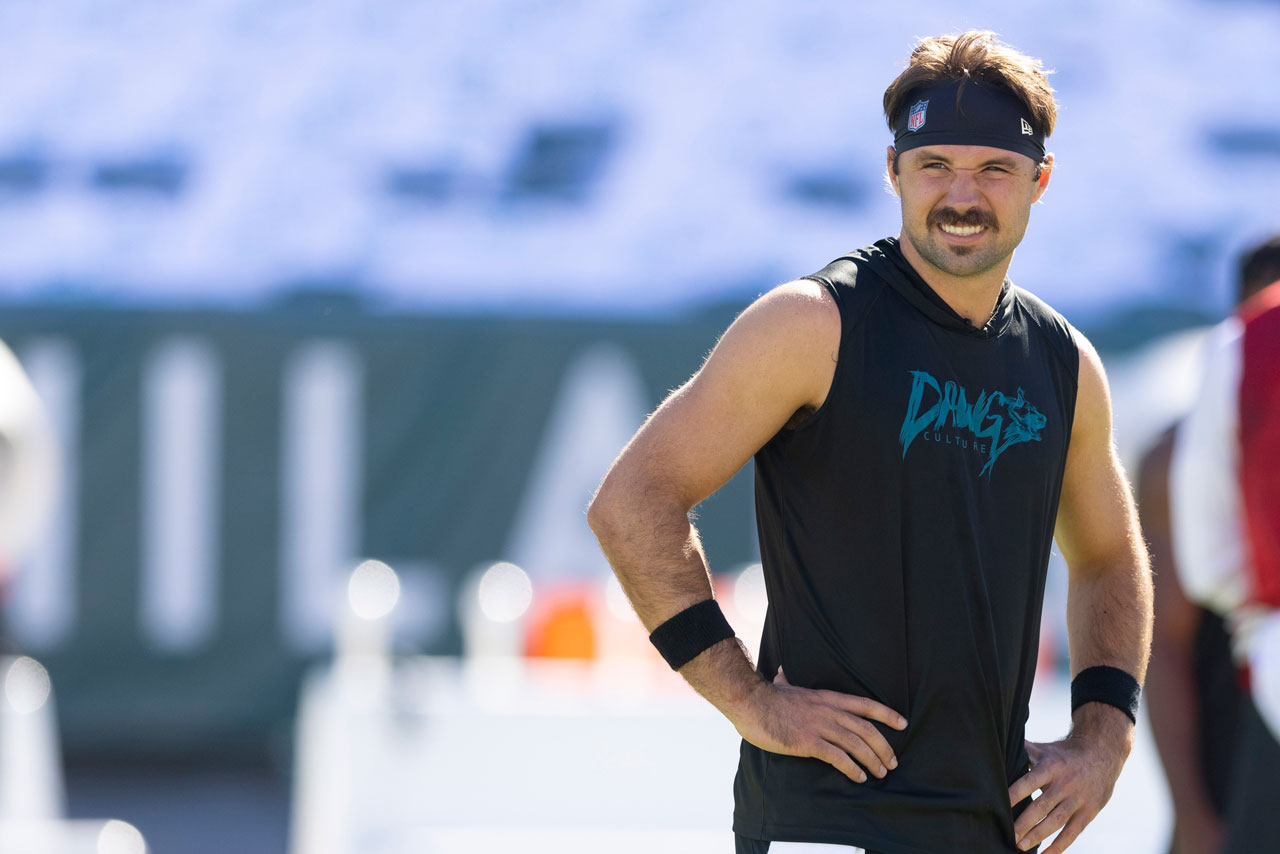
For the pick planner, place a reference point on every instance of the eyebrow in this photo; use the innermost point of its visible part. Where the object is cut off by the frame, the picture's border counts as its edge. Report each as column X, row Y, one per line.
column 1008, row 162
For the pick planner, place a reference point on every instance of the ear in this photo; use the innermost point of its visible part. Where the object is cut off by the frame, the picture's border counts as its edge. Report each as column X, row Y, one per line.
column 889, row 173
column 1042, row 183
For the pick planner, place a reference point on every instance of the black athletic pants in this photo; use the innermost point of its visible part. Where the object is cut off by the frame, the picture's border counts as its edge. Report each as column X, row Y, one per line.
column 1255, row 787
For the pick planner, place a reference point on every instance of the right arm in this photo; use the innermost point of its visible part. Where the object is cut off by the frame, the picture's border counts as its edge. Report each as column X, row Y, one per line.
column 775, row 363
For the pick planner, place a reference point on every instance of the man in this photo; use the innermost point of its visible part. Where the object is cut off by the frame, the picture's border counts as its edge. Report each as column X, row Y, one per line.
column 1192, row 695
column 1225, row 501
column 909, row 412
column 1192, row 685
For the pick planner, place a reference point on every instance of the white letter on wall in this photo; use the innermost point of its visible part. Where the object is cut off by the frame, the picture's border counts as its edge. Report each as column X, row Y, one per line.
column 321, row 459
column 601, row 403
column 181, row 491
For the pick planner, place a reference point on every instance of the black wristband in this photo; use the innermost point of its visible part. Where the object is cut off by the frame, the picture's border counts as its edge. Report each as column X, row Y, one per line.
column 1110, row 685
column 698, row 627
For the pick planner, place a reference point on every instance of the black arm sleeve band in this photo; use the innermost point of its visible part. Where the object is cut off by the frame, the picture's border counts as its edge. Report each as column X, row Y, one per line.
column 1109, row 685
column 698, row 627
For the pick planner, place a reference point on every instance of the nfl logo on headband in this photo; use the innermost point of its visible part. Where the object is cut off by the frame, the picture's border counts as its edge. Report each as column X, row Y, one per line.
column 915, row 120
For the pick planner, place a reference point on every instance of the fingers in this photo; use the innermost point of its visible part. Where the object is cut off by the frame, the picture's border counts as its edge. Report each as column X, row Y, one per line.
column 1061, row 813
column 841, row 724
column 1026, row 785
column 858, row 739
column 865, row 707
column 1068, row 834
column 1073, row 786
column 865, row 735
column 1036, row 812
column 835, row 756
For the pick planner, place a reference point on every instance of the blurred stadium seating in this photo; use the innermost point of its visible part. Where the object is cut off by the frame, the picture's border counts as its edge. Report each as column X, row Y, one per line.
column 576, row 156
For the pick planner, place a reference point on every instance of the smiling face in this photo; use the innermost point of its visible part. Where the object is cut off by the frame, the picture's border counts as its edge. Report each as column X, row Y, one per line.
column 965, row 207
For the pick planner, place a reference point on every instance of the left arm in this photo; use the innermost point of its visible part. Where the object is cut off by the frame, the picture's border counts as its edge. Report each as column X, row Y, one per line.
column 1108, row 622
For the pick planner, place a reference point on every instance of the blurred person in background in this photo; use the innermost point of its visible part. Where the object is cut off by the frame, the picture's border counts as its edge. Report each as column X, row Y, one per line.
column 1191, row 684
column 1192, row 694
column 1225, row 511
column 909, row 411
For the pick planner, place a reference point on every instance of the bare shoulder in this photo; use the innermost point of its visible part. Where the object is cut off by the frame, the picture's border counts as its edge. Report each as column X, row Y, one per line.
column 1093, row 396
column 791, row 337
column 801, row 307
column 799, row 318
column 774, row 362
column 1090, row 361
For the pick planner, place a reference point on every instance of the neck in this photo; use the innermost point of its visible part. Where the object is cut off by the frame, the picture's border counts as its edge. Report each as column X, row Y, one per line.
column 972, row 297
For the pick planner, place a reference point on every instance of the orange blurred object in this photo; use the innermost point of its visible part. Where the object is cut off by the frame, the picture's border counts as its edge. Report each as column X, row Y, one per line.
column 562, row 627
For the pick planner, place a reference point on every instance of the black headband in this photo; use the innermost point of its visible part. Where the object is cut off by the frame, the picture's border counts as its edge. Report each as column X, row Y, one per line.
column 966, row 112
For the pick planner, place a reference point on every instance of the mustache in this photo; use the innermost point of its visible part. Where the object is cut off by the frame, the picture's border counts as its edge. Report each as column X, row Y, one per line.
column 953, row 217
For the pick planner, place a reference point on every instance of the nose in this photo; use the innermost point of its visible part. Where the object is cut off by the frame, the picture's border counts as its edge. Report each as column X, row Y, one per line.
column 963, row 192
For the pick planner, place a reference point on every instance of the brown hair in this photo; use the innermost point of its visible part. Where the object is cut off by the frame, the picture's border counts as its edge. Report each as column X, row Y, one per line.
column 975, row 55
column 1259, row 267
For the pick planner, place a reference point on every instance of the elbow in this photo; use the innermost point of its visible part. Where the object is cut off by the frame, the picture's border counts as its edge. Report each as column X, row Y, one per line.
column 604, row 512
column 596, row 516
column 628, row 506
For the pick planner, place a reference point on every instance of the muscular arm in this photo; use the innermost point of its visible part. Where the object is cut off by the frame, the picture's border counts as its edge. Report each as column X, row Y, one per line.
column 1109, row 603
column 1109, row 621
column 776, row 360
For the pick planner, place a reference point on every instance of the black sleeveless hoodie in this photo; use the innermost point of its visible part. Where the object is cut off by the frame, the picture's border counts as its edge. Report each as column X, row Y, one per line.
column 905, row 530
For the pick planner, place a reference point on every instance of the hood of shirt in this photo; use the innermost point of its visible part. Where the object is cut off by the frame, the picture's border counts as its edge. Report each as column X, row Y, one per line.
column 891, row 265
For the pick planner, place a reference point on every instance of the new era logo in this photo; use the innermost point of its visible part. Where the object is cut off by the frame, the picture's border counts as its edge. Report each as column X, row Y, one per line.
column 915, row 120
column 1026, row 127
